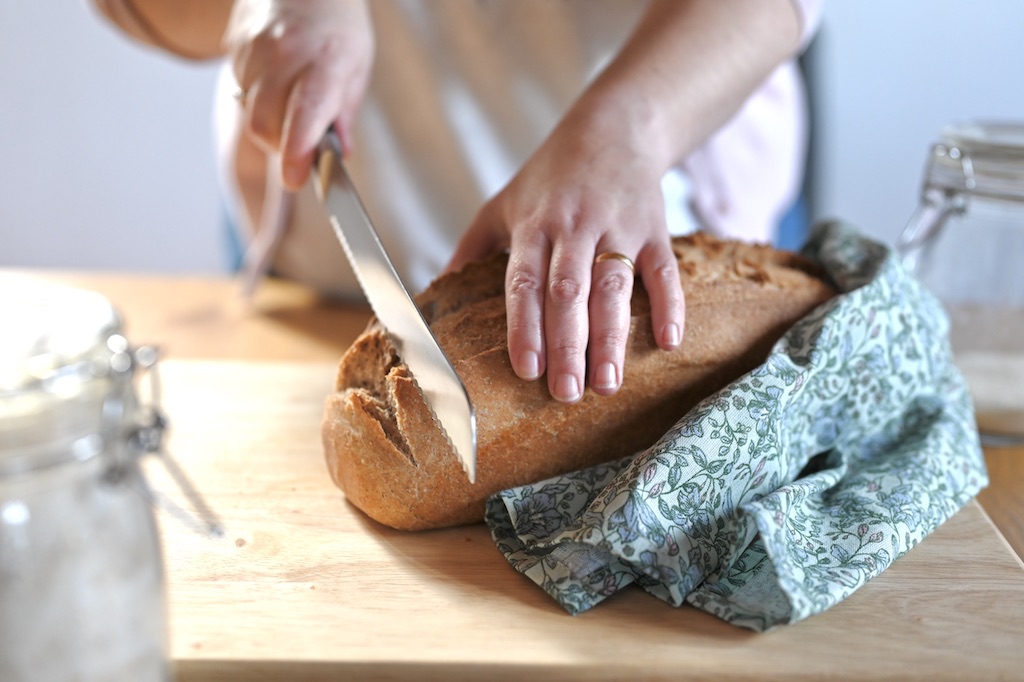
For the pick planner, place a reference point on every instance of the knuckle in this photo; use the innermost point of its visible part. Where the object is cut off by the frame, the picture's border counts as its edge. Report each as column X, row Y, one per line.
column 610, row 338
column 521, row 332
column 567, row 349
column 564, row 226
column 614, row 283
column 261, row 127
column 335, row 49
column 565, row 290
column 522, row 284
column 558, row 222
column 666, row 273
column 267, row 42
column 281, row 42
column 666, row 276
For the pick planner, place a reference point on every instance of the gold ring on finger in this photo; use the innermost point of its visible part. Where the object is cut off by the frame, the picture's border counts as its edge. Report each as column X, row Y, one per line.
column 614, row 255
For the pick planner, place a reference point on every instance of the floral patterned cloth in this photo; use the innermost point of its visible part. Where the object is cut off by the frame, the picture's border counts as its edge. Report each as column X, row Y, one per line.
column 786, row 491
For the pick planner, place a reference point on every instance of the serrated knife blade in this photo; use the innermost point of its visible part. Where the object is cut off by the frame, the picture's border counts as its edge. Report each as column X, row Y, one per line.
column 393, row 305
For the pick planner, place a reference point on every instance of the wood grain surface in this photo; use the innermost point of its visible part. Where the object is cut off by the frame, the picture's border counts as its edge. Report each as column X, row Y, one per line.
column 304, row 587
column 1004, row 497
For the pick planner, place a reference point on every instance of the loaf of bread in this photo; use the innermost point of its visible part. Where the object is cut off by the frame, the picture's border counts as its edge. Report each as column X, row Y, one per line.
column 385, row 452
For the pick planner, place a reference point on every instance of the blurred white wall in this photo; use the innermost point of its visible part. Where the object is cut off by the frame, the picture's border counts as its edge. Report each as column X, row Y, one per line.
column 105, row 146
column 887, row 76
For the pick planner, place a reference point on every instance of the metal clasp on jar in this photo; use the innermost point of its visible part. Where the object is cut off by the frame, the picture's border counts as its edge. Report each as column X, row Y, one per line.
column 142, row 427
column 943, row 195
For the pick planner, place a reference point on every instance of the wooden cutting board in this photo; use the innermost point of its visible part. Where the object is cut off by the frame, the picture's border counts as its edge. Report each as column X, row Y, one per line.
column 303, row 587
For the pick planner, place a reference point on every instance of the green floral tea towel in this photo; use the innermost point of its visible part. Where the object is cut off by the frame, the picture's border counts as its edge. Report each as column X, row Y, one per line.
column 786, row 491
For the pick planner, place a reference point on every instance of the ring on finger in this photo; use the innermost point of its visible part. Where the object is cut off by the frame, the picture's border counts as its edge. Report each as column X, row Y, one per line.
column 615, row 255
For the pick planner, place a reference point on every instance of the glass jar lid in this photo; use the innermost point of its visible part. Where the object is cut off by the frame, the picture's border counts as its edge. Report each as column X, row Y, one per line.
column 58, row 351
column 52, row 335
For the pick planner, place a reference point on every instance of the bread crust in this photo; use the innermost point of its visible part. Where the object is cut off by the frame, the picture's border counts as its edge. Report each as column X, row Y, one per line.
column 385, row 452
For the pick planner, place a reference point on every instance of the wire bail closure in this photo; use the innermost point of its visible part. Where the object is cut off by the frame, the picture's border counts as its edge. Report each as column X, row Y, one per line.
column 145, row 435
column 939, row 202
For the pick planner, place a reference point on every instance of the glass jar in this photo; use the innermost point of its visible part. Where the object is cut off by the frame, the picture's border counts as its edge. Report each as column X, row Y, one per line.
column 965, row 242
column 82, row 593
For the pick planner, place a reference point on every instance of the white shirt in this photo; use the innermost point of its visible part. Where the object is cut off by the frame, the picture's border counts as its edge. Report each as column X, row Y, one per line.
column 463, row 92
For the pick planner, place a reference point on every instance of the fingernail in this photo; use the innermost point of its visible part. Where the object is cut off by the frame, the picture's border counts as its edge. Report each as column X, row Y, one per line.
column 528, row 366
column 567, row 389
column 604, row 376
column 671, row 335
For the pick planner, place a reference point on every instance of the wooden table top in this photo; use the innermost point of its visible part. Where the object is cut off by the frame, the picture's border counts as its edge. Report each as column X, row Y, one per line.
column 305, row 588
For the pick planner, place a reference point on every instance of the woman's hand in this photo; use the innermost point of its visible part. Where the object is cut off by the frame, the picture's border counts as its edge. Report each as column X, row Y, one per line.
column 302, row 65
column 594, row 187
column 590, row 189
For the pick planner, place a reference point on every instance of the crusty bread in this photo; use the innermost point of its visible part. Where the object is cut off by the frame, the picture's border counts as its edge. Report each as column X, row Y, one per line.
column 386, row 454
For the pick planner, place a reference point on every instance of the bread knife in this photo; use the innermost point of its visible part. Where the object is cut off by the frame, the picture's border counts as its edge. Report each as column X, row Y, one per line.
column 393, row 305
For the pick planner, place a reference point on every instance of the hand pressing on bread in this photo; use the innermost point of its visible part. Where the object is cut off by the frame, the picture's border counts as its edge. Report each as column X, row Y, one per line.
column 593, row 187
column 568, row 311
column 302, row 66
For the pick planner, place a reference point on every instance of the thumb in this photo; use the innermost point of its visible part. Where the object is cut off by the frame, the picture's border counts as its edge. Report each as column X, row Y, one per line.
column 483, row 237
